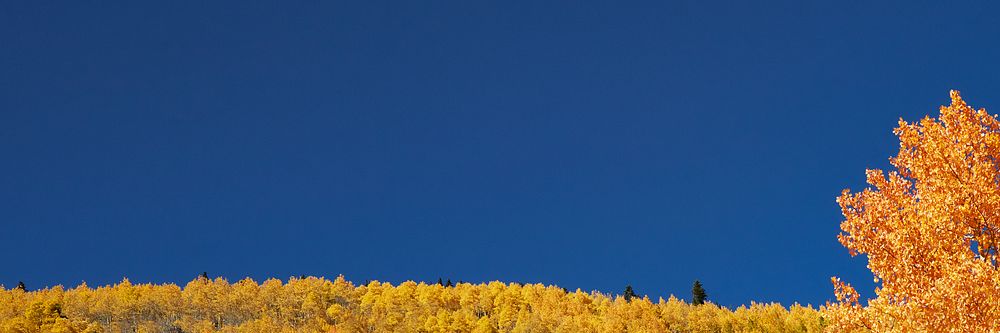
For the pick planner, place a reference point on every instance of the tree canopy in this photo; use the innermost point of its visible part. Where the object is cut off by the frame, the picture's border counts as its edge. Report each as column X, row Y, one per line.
column 320, row 305
column 929, row 229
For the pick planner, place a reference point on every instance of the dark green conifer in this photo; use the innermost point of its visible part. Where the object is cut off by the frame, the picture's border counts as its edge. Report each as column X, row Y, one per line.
column 698, row 295
column 629, row 293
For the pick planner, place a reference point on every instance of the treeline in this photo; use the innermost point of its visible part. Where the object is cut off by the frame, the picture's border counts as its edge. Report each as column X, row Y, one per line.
column 319, row 305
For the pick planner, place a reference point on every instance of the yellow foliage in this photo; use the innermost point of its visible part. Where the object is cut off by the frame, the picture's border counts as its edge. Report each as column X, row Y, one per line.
column 320, row 305
column 930, row 229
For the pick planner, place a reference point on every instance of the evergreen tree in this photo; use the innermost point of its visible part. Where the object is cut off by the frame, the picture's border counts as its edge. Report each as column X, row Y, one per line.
column 204, row 275
column 449, row 284
column 20, row 285
column 698, row 295
column 629, row 293
column 440, row 283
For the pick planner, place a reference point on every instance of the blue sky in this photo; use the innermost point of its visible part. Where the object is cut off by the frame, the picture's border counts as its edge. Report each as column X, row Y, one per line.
column 585, row 144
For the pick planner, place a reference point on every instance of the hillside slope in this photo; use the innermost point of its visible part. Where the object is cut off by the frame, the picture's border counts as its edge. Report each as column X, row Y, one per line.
column 321, row 305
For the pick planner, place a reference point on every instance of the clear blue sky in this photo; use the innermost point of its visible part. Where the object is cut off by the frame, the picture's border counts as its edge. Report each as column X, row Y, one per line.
column 582, row 144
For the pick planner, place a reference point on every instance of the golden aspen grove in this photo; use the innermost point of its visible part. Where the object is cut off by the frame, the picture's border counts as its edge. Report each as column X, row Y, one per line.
column 321, row 305
column 930, row 230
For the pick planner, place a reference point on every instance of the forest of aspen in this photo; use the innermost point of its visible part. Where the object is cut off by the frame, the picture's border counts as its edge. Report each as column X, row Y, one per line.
column 929, row 228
